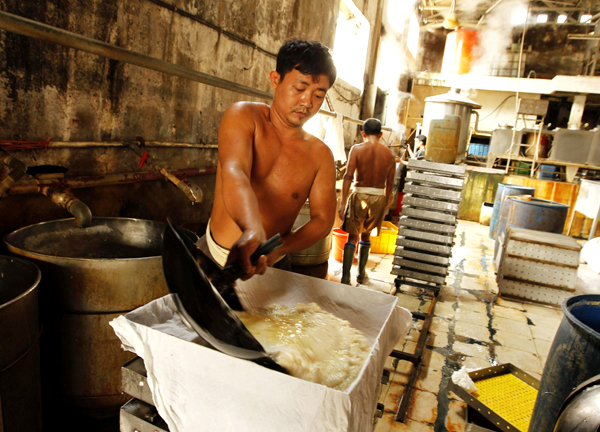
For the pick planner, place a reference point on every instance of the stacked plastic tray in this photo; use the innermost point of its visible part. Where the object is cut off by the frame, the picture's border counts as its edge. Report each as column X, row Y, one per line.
column 427, row 223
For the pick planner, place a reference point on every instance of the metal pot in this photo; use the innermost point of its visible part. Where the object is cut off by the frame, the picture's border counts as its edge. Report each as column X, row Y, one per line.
column 20, row 401
column 315, row 254
column 450, row 104
column 91, row 276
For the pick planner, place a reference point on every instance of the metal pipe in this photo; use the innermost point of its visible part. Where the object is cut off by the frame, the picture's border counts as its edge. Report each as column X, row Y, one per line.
column 88, row 144
column 35, row 186
column 193, row 192
column 63, row 197
column 34, row 29
column 27, row 27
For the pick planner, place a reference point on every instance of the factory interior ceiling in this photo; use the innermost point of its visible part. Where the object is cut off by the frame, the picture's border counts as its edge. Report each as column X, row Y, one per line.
column 472, row 13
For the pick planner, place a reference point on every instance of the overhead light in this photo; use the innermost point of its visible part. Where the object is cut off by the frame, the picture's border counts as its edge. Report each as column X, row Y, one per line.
column 585, row 18
column 561, row 19
column 519, row 16
column 451, row 23
column 542, row 18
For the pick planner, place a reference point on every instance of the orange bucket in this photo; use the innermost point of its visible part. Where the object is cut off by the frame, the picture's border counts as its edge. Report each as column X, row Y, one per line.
column 340, row 237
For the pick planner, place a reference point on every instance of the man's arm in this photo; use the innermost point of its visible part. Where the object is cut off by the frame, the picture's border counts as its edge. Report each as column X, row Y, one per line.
column 236, row 138
column 389, row 184
column 348, row 177
column 322, row 210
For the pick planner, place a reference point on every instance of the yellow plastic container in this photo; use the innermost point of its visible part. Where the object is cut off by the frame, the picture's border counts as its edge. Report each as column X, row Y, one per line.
column 385, row 242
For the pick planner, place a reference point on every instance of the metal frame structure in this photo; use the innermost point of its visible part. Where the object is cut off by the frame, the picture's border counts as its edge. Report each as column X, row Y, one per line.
column 415, row 359
column 435, row 11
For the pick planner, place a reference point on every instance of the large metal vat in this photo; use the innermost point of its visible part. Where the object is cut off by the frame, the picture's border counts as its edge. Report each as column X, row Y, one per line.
column 538, row 214
column 20, row 399
column 573, row 359
column 505, row 190
column 450, row 104
column 460, row 51
column 594, row 158
column 502, row 139
column 572, row 145
column 480, row 186
column 91, row 276
column 315, row 254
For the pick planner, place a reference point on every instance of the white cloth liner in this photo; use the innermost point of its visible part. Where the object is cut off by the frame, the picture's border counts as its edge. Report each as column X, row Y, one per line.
column 369, row 190
column 199, row 389
column 334, row 138
column 588, row 199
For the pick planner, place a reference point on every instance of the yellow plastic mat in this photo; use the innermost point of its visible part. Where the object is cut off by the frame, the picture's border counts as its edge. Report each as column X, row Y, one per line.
column 511, row 398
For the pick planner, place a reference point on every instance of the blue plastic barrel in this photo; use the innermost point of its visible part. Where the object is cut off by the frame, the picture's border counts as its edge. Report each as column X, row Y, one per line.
column 502, row 192
column 574, row 357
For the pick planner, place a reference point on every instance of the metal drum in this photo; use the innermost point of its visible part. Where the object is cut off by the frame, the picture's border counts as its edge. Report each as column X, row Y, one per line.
column 91, row 276
column 450, row 104
column 505, row 190
column 538, row 214
column 20, row 399
column 315, row 254
column 573, row 359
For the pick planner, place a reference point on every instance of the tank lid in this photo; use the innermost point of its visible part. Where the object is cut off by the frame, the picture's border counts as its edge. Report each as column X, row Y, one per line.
column 453, row 96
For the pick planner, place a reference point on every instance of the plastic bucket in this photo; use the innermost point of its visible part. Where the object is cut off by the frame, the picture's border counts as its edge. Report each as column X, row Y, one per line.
column 573, row 359
column 485, row 215
column 340, row 238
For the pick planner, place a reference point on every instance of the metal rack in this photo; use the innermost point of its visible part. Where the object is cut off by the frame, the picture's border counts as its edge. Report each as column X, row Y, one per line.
column 427, row 224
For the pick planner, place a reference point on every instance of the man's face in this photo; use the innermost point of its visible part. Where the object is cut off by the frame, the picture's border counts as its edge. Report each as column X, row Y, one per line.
column 298, row 97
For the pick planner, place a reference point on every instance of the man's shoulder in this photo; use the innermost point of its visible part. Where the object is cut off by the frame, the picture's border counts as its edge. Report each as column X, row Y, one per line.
column 248, row 109
column 318, row 145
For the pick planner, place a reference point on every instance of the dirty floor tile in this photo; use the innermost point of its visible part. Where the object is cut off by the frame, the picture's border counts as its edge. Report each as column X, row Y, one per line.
column 439, row 325
column 512, row 340
column 544, row 321
column 509, row 313
column 472, row 331
column 456, row 421
column 544, row 311
column 393, row 397
column 543, row 333
column 438, row 340
column 473, row 350
column 472, row 306
column 510, row 304
column 543, row 347
column 429, row 380
column 423, row 407
column 444, row 309
column 476, row 363
column 512, row 326
column 433, row 359
column 523, row 360
column 472, row 317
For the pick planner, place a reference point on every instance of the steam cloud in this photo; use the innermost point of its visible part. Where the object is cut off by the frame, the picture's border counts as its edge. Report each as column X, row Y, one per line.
column 495, row 35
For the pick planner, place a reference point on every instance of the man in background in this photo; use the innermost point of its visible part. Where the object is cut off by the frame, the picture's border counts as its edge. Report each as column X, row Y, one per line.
column 374, row 166
column 421, row 142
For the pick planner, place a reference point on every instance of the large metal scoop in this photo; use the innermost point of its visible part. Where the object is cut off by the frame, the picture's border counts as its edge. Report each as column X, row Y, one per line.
column 202, row 306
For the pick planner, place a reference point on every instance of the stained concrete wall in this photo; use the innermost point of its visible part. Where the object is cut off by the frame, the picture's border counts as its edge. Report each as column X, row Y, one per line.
column 47, row 90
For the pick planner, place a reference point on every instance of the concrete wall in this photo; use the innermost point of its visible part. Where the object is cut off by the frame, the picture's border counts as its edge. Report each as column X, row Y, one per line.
column 50, row 91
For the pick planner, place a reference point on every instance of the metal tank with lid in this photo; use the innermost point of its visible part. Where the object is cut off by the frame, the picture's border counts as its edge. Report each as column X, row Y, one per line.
column 450, row 104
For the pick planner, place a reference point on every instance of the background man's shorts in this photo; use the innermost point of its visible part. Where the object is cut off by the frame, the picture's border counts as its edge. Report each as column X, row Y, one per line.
column 364, row 212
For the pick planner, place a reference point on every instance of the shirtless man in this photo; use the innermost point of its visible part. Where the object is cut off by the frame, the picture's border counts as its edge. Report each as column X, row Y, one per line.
column 269, row 166
column 372, row 196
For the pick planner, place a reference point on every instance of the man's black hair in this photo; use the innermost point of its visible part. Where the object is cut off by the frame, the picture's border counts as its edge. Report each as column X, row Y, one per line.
column 423, row 139
column 308, row 57
column 372, row 126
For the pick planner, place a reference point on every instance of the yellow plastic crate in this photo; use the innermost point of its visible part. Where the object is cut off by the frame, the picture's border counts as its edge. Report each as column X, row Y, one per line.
column 385, row 242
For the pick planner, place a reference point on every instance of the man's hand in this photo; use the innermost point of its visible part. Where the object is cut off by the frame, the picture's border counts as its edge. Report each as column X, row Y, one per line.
column 342, row 213
column 243, row 248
